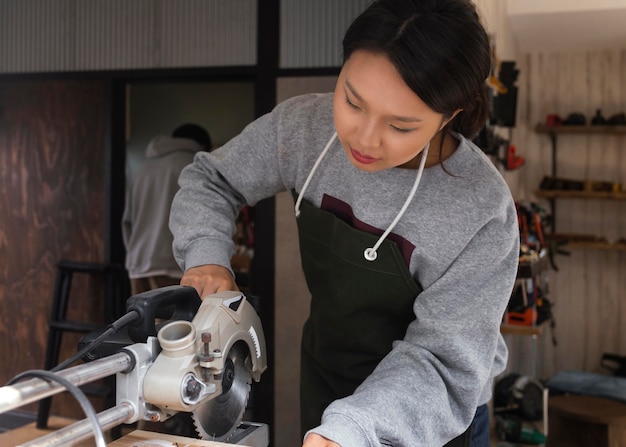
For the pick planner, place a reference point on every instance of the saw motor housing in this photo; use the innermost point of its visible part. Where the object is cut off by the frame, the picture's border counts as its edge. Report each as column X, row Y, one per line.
column 189, row 370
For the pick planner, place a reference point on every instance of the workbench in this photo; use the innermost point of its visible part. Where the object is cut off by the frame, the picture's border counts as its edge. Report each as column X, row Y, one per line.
column 248, row 435
column 583, row 421
column 141, row 438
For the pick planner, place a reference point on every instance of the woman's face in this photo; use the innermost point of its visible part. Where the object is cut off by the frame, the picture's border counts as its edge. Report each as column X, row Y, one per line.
column 380, row 121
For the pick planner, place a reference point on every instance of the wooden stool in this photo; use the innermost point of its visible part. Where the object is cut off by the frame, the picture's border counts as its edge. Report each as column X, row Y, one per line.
column 586, row 421
column 115, row 294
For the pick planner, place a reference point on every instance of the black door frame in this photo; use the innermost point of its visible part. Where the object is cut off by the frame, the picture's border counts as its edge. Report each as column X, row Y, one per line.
column 263, row 75
column 262, row 278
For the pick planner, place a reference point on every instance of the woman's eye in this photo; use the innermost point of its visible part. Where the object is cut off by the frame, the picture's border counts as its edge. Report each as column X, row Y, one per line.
column 351, row 104
column 400, row 129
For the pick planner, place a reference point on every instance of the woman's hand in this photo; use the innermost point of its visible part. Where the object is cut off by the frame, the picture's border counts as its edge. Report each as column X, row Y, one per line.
column 208, row 279
column 315, row 440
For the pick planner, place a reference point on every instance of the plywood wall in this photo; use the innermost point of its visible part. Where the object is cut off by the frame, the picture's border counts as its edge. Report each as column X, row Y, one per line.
column 589, row 290
column 51, row 203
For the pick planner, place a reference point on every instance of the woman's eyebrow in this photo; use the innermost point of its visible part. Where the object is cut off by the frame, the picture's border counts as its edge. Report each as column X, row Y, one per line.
column 404, row 119
column 353, row 91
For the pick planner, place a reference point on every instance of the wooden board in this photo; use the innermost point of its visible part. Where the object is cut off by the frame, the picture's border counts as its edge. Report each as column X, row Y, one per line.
column 581, row 421
column 136, row 438
column 141, row 438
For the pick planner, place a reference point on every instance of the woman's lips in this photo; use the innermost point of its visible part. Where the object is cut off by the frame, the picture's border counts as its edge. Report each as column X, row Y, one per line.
column 361, row 158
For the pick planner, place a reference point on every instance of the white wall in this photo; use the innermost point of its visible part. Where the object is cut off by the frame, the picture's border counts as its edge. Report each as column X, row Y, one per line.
column 588, row 289
column 495, row 17
column 568, row 25
column 560, row 6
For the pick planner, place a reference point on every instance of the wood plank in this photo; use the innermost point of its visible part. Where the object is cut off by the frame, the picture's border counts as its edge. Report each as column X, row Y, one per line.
column 581, row 241
column 597, row 245
column 518, row 329
column 136, row 438
column 602, row 195
column 589, row 129
column 141, row 438
column 589, row 409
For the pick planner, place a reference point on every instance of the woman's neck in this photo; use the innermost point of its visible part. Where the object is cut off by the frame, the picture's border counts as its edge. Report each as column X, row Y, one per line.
column 436, row 153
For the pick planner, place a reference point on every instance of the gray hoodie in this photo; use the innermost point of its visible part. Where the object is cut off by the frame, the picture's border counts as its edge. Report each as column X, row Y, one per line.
column 147, row 237
column 463, row 224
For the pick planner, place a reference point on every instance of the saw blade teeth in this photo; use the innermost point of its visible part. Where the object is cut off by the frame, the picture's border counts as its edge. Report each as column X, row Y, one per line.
column 218, row 418
column 202, row 434
column 211, row 436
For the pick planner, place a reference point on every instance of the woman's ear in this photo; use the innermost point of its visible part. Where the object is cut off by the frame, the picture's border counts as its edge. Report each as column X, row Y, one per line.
column 445, row 122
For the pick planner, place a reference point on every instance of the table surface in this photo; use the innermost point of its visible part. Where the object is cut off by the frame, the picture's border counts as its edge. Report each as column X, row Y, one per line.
column 588, row 408
column 141, row 438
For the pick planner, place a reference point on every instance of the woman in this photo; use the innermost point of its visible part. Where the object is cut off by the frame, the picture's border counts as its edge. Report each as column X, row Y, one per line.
column 408, row 233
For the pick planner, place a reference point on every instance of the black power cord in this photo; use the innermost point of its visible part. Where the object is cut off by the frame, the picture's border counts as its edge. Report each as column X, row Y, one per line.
column 114, row 327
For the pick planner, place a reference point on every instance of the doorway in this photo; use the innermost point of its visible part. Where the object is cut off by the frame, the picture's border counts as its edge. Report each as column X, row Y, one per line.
column 157, row 108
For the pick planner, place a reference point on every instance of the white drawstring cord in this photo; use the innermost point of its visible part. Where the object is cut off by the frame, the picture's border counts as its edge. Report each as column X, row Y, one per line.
column 308, row 179
column 370, row 254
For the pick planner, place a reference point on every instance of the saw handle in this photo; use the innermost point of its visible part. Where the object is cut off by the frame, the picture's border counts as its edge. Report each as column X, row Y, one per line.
column 184, row 299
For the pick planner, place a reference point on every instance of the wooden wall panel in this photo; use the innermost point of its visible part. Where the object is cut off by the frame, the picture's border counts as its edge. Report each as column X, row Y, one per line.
column 589, row 290
column 51, row 208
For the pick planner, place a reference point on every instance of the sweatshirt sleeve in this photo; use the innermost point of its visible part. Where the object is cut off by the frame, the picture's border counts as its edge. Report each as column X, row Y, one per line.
column 214, row 188
column 426, row 390
column 263, row 160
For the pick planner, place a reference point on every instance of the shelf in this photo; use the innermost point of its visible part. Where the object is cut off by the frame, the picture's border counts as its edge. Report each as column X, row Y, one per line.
column 617, row 246
column 559, row 194
column 618, row 129
column 586, row 241
column 519, row 329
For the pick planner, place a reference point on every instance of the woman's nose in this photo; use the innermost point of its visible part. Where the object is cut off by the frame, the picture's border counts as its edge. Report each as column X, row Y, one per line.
column 369, row 134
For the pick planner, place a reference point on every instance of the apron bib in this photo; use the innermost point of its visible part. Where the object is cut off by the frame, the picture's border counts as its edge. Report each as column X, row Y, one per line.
column 358, row 309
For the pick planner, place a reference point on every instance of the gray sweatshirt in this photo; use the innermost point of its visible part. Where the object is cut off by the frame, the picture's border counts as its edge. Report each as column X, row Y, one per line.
column 463, row 224
column 145, row 229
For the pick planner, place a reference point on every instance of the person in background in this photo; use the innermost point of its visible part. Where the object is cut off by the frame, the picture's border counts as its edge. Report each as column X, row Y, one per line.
column 408, row 233
column 149, row 259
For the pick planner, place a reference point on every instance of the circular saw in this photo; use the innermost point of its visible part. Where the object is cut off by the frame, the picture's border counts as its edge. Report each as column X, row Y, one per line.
column 202, row 361
column 206, row 366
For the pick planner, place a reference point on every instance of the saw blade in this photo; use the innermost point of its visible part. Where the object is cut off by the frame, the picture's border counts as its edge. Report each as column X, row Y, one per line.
column 217, row 419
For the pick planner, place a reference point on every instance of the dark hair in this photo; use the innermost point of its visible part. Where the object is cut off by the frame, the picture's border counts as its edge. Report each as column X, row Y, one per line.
column 194, row 132
column 440, row 49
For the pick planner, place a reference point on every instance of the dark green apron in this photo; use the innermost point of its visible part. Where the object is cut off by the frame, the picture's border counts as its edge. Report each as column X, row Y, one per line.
column 358, row 309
